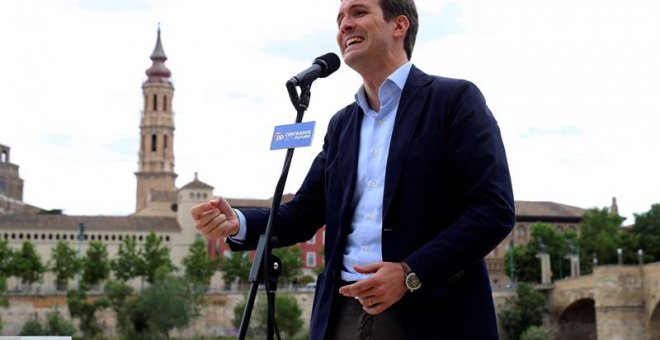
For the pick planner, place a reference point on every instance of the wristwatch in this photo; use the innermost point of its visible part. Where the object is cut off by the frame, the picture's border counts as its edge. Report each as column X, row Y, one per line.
column 410, row 278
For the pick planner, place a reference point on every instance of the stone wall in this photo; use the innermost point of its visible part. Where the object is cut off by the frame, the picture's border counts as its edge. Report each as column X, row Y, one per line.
column 215, row 319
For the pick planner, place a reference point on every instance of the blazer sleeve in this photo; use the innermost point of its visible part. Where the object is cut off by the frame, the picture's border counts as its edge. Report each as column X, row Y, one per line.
column 298, row 220
column 481, row 185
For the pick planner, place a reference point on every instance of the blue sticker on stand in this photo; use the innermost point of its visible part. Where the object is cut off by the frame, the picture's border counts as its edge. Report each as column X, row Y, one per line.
column 292, row 136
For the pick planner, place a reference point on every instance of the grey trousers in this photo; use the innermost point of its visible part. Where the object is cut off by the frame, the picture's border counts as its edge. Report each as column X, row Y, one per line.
column 348, row 321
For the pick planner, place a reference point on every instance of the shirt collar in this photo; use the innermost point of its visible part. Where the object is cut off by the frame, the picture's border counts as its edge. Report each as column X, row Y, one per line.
column 386, row 91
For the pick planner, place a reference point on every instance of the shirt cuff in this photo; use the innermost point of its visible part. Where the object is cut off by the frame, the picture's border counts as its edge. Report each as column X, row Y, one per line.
column 242, row 228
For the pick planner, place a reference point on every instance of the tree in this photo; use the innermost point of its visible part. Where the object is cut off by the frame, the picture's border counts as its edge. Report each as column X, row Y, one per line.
column 26, row 264
column 287, row 316
column 527, row 265
column 170, row 302
column 6, row 254
column 291, row 264
column 64, row 264
column 3, row 300
column 235, row 265
column 647, row 231
column 199, row 266
column 528, row 310
column 129, row 261
column 536, row 333
column 96, row 266
column 154, row 256
column 118, row 293
column 54, row 325
column 600, row 233
column 80, row 308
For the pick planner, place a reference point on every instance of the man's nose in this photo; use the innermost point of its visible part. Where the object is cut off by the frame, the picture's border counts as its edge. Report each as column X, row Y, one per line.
column 346, row 24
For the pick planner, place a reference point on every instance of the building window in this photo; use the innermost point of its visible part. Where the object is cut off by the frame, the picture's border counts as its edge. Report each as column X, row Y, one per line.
column 311, row 259
column 164, row 142
column 3, row 157
column 3, row 185
column 521, row 232
column 153, row 142
column 167, row 238
column 164, row 103
column 192, row 195
column 205, row 195
column 155, row 103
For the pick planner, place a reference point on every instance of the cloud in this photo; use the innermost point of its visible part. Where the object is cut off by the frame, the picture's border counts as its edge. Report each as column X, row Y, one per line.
column 566, row 131
column 115, row 5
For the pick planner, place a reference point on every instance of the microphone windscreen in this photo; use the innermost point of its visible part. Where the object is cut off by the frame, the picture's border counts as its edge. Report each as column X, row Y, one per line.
column 329, row 63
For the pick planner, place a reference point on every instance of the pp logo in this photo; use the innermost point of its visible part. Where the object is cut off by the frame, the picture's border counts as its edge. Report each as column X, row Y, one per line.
column 279, row 136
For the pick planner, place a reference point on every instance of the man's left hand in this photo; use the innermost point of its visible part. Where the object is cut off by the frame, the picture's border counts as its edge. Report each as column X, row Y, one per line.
column 379, row 291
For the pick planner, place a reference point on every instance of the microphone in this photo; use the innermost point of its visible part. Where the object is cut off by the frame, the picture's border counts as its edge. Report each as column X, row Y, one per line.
column 322, row 67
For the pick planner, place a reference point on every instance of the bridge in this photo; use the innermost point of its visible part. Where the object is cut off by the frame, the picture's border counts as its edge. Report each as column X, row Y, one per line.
column 615, row 302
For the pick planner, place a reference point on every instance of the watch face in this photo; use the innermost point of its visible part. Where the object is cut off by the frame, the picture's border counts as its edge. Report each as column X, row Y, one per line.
column 412, row 281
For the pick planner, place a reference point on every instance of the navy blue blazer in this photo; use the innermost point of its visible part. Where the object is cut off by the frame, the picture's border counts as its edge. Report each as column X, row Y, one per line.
column 447, row 203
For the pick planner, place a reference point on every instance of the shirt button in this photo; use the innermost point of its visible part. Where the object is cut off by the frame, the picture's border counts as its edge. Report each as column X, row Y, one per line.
column 375, row 152
column 370, row 217
column 372, row 184
column 380, row 121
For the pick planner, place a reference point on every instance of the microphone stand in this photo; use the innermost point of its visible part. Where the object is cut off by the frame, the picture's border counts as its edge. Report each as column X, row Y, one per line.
column 266, row 267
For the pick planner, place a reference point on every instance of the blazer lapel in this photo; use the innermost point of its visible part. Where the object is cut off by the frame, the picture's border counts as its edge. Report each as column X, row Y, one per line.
column 410, row 109
column 349, row 143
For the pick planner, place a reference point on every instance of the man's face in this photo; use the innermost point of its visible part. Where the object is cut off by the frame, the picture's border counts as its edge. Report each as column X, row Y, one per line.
column 364, row 37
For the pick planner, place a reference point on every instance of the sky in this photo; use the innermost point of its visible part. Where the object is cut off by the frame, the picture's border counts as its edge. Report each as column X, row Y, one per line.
column 573, row 85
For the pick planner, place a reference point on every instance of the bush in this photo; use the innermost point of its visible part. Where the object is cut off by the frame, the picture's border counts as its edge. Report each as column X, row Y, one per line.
column 287, row 315
column 55, row 325
column 536, row 333
column 527, row 311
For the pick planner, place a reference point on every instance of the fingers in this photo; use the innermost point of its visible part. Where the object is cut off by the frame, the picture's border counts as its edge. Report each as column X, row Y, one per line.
column 379, row 291
column 224, row 206
column 368, row 268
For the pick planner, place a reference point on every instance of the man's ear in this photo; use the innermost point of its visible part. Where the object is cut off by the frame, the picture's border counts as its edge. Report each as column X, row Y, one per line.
column 401, row 25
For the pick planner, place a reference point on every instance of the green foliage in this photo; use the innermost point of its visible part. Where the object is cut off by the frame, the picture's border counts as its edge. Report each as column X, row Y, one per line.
column 57, row 325
column 199, row 266
column 154, row 255
column 26, row 264
column 129, row 262
column 171, row 302
column 63, row 262
column 118, row 293
column 6, row 254
column 527, row 265
column 287, row 315
column 85, row 310
column 235, row 265
column 536, row 333
column 96, row 266
column 291, row 264
column 528, row 310
column 647, row 232
column 600, row 234
column 3, row 300
column 32, row 327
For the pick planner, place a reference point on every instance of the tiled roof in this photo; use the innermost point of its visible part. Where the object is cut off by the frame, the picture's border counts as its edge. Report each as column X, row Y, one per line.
column 196, row 184
column 92, row 223
column 547, row 209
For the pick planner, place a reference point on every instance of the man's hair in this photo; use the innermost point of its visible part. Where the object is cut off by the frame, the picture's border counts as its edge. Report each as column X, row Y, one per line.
column 394, row 8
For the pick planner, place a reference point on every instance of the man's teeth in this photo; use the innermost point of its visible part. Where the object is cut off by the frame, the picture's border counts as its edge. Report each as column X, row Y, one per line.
column 355, row 40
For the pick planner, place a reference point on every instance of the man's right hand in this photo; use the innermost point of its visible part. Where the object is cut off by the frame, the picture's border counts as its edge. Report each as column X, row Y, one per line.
column 215, row 219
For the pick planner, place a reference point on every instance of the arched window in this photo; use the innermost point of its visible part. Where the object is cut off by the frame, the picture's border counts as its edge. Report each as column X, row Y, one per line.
column 164, row 103
column 164, row 142
column 3, row 157
column 155, row 103
column 153, row 142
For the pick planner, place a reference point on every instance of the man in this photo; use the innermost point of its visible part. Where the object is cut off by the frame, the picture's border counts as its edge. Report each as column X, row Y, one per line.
column 413, row 187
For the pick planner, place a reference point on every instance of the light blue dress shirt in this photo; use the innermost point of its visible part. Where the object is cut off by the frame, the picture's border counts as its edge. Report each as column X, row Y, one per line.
column 363, row 245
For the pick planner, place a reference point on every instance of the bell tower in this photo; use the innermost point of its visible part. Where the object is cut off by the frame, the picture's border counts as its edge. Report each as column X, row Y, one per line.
column 156, row 191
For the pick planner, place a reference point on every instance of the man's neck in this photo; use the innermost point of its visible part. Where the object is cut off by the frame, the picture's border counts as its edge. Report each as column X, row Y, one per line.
column 373, row 79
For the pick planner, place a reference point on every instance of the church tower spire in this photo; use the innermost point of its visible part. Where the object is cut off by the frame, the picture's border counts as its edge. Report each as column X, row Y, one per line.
column 156, row 191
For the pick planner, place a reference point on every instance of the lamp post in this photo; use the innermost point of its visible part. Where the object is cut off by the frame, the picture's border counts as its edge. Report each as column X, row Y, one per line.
column 619, row 254
column 640, row 256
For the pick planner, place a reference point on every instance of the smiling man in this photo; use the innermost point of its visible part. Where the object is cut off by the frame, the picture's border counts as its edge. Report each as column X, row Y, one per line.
column 413, row 187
